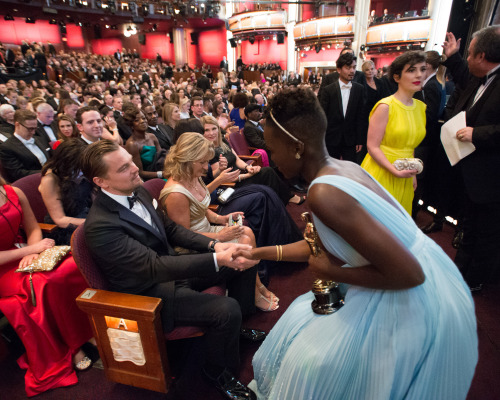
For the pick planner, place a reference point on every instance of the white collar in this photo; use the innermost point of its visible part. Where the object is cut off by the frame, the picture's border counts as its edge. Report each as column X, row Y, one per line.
column 121, row 199
column 254, row 122
column 86, row 140
column 23, row 140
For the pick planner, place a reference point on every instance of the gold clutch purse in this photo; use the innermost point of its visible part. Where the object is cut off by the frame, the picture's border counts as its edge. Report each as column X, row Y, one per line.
column 47, row 260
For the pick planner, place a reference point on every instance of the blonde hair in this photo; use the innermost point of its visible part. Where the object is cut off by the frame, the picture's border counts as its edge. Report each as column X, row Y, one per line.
column 183, row 101
column 367, row 62
column 166, row 112
column 190, row 147
column 208, row 119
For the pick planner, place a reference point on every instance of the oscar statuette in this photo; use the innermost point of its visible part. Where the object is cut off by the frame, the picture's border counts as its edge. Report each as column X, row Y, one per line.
column 328, row 298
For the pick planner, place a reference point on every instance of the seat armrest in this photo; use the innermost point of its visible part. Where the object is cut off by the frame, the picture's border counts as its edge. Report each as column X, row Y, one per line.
column 213, row 207
column 47, row 228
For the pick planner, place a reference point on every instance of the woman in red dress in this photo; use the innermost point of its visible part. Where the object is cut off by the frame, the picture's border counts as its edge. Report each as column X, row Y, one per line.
column 54, row 330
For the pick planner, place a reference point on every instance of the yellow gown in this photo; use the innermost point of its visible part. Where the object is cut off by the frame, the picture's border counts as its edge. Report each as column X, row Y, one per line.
column 404, row 131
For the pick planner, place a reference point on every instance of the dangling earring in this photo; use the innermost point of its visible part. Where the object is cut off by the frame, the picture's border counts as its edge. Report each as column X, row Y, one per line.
column 297, row 156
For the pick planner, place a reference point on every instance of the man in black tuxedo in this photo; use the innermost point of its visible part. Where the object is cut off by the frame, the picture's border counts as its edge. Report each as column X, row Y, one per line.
column 343, row 103
column 132, row 243
column 23, row 154
column 328, row 79
column 478, row 258
column 253, row 131
column 146, row 79
column 46, row 129
column 203, row 82
column 223, row 64
column 163, row 134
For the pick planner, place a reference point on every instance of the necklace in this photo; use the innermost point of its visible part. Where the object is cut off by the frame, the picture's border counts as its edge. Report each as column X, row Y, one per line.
column 195, row 188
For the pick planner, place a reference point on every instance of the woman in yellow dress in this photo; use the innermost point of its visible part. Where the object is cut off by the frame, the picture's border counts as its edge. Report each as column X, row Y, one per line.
column 397, row 126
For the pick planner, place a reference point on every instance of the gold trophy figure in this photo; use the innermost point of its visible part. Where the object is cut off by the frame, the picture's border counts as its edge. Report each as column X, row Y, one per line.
column 328, row 298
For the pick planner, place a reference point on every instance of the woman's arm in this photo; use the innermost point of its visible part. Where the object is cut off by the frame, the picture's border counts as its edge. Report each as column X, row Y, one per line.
column 36, row 244
column 50, row 191
column 376, row 133
column 228, row 175
column 134, row 151
column 112, row 135
column 391, row 264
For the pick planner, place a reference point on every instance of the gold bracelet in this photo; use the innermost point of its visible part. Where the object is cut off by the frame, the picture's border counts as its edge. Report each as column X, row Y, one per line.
column 279, row 252
column 216, row 217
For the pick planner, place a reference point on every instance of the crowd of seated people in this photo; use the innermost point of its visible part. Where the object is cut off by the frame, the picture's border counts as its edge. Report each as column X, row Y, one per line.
column 143, row 109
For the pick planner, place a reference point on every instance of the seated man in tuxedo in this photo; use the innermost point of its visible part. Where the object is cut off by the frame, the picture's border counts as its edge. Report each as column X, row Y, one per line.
column 253, row 131
column 343, row 103
column 133, row 245
column 89, row 123
column 159, row 130
column 46, row 128
column 23, row 154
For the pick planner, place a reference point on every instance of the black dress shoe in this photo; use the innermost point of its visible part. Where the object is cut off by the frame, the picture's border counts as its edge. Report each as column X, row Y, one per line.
column 299, row 188
column 458, row 238
column 432, row 227
column 253, row 335
column 231, row 388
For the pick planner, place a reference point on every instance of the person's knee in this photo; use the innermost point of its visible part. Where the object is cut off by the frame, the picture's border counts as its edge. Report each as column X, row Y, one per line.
column 228, row 312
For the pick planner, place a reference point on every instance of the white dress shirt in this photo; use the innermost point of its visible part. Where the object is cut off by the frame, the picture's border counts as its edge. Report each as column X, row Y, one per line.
column 489, row 78
column 345, row 90
column 49, row 132
column 31, row 146
column 3, row 138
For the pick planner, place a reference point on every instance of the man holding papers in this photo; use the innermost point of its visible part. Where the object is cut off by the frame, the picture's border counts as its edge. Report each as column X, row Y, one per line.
column 479, row 257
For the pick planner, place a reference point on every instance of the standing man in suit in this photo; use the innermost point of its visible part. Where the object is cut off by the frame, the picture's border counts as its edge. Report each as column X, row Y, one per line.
column 89, row 123
column 23, row 154
column 159, row 130
column 223, row 64
column 132, row 243
column 46, row 128
column 343, row 103
column 146, row 79
column 203, row 82
column 478, row 258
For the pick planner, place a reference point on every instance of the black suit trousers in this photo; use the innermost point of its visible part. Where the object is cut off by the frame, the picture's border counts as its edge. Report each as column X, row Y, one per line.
column 342, row 151
column 478, row 258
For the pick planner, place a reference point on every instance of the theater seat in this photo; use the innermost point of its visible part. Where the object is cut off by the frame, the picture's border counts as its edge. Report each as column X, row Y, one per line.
column 137, row 316
column 239, row 144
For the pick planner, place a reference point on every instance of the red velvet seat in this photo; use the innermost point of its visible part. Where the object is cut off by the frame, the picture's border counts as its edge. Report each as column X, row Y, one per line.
column 29, row 185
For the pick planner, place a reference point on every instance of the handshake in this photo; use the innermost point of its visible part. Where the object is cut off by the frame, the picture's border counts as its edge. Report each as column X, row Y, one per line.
column 234, row 255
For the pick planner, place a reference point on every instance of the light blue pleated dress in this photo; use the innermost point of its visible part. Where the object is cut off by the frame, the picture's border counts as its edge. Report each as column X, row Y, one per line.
column 418, row 343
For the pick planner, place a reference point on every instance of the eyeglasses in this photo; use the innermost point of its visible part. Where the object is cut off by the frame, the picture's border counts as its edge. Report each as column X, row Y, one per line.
column 28, row 128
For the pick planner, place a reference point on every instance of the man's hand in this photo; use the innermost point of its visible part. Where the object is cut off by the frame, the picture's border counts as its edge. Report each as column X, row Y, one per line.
column 451, row 45
column 465, row 134
column 224, row 253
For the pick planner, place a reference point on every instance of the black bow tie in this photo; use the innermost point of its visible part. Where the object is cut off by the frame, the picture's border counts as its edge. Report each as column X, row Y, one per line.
column 485, row 78
column 132, row 199
column 44, row 125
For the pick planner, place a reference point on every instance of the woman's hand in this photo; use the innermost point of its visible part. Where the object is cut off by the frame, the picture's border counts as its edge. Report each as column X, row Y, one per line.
column 228, row 175
column 405, row 173
column 324, row 265
column 252, row 170
column 27, row 260
column 111, row 122
column 222, row 163
column 230, row 233
column 42, row 245
column 234, row 215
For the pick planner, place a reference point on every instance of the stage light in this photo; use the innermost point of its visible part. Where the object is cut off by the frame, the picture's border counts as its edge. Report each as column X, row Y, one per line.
column 8, row 18
column 30, row 20
column 52, row 21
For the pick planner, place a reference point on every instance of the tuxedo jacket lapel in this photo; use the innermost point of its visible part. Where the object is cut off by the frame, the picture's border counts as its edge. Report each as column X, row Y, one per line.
column 339, row 99
column 473, row 111
column 352, row 98
column 27, row 154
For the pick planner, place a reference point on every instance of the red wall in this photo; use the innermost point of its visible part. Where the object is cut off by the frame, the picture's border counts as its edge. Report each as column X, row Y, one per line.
column 106, row 46
column 264, row 51
column 307, row 12
column 74, row 36
column 212, row 46
column 13, row 32
column 158, row 43
column 384, row 60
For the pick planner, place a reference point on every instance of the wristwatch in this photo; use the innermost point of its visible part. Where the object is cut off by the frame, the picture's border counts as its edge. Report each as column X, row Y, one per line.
column 211, row 246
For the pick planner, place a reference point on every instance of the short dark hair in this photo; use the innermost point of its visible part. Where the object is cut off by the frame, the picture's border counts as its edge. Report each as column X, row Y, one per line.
column 83, row 110
column 187, row 125
column 409, row 58
column 345, row 59
column 92, row 158
column 252, row 107
column 130, row 115
column 240, row 100
column 24, row 115
column 488, row 42
column 196, row 98
column 298, row 111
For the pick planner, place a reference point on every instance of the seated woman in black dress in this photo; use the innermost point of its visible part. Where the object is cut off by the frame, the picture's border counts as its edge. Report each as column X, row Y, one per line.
column 65, row 191
column 225, row 158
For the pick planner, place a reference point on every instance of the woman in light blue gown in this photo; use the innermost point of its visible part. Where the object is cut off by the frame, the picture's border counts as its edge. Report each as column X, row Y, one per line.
column 407, row 329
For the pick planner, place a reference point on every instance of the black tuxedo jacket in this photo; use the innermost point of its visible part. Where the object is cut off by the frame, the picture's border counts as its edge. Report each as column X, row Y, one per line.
column 17, row 161
column 42, row 135
column 164, row 134
column 134, row 256
column 203, row 83
column 146, row 79
column 350, row 127
column 254, row 136
column 481, row 169
column 51, row 100
column 431, row 95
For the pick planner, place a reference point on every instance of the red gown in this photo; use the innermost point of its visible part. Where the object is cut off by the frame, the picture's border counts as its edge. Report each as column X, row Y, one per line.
column 53, row 331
